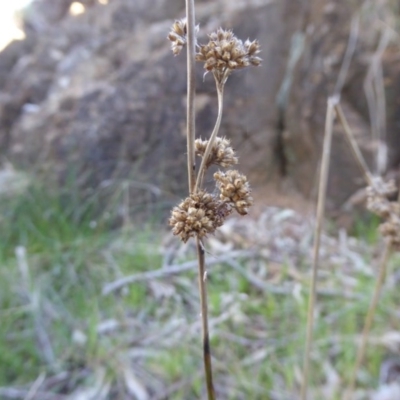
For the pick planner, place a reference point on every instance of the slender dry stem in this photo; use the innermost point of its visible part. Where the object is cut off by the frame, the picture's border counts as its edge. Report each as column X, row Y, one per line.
column 194, row 185
column 191, row 91
column 204, row 318
column 369, row 318
column 214, row 134
column 317, row 239
column 383, row 264
column 353, row 145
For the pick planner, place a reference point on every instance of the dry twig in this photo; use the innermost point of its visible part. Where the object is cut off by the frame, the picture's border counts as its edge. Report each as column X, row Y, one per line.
column 171, row 270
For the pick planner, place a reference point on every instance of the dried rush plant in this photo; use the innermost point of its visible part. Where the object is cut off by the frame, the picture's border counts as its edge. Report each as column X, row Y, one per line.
column 202, row 212
column 382, row 201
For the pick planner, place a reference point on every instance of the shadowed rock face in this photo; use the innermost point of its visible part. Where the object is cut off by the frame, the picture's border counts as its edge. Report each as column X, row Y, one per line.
column 367, row 96
column 101, row 93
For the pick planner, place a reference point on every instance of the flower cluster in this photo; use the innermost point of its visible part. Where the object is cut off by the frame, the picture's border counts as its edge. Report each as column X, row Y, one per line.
column 221, row 154
column 199, row 214
column 234, row 189
column 202, row 213
column 389, row 211
column 222, row 54
column 225, row 52
column 177, row 36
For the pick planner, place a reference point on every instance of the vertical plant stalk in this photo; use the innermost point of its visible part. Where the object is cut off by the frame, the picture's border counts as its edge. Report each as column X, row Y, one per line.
column 193, row 186
column 382, row 266
column 354, row 146
column 323, row 180
column 191, row 92
column 204, row 319
column 201, row 213
column 214, row 134
column 369, row 318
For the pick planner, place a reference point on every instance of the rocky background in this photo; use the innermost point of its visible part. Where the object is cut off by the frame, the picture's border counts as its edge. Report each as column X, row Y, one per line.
column 99, row 96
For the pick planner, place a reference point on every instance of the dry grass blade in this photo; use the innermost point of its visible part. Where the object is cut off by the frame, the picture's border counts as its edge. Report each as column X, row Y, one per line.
column 35, row 387
column 20, row 394
column 33, row 296
column 171, row 270
column 318, row 230
column 133, row 385
column 369, row 318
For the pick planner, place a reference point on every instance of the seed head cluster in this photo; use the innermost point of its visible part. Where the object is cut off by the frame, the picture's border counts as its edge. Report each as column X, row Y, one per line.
column 178, row 36
column 235, row 189
column 225, row 52
column 389, row 211
column 221, row 154
column 202, row 213
column 199, row 214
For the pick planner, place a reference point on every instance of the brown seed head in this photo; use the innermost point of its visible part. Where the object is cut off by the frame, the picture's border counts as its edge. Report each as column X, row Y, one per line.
column 252, row 49
column 225, row 52
column 384, row 188
column 199, row 214
column 391, row 229
column 178, row 36
column 221, row 154
column 389, row 211
column 378, row 203
column 234, row 188
column 377, row 198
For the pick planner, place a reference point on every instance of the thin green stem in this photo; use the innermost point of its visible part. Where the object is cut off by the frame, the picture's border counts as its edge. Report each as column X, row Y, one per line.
column 191, row 91
column 318, row 229
column 202, row 169
column 204, row 317
column 369, row 318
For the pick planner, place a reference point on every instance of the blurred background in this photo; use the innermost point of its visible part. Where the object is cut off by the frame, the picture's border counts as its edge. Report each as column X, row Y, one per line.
column 92, row 159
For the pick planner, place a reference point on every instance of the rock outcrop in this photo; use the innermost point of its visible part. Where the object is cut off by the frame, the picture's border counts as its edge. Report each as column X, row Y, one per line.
column 100, row 95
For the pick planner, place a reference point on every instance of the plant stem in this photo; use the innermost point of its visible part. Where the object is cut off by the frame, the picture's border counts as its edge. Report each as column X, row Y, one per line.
column 354, row 146
column 204, row 318
column 318, row 229
column 202, row 169
column 369, row 318
column 191, row 91
column 194, row 185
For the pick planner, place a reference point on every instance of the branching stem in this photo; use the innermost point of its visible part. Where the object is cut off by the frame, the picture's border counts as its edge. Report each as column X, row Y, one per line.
column 194, row 185
column 353, row 145
column 202, row 169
